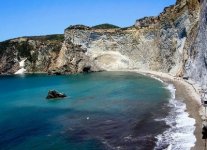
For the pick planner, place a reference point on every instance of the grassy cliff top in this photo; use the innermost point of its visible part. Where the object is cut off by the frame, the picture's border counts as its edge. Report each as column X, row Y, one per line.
column 53, row 37
column 100, row 26
column 105, row 26
column 57, row 37
column 24, row 47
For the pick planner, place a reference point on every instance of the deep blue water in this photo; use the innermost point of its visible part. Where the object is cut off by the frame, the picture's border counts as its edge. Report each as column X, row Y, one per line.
column 107, row 110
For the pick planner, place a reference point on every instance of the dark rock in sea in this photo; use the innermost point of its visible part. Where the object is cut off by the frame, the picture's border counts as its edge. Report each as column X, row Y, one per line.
column 53, row 94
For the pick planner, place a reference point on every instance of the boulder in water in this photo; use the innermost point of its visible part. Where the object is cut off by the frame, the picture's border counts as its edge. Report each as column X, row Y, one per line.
column 52, row 94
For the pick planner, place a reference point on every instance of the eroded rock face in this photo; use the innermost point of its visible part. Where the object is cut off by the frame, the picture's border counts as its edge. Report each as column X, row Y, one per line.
column 154, row 43
column 173, row 42
column 73, row 59
column 50, row 54
column 196, row 63
column 41, row 53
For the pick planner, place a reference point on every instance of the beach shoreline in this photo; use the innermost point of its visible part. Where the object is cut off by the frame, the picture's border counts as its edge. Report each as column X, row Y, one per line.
column 189, row 94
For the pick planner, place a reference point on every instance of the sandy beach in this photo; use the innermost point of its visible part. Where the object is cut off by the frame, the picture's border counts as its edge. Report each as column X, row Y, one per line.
column 188, row 93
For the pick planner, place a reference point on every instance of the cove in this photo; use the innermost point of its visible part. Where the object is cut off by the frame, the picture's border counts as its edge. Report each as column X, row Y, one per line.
column 105, row 110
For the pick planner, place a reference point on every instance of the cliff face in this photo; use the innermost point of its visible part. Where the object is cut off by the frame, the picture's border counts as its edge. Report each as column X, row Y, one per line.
column 44, row 54
column 196, row 63
column 40, row 53
column 173, row 42
column 155, row 43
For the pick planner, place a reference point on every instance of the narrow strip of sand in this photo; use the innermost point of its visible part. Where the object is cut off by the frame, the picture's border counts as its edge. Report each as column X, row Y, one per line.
column 189, row 94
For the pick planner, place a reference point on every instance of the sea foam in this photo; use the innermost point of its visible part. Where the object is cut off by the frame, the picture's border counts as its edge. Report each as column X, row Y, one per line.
column 180, row 135
column 152, row 76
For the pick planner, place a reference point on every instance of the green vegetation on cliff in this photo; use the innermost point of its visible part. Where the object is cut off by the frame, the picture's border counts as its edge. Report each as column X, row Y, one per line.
column 100, row 26
column 53, row 37
column 78, row 27
column 105, row 26
column 24, row 47
column 3, row 46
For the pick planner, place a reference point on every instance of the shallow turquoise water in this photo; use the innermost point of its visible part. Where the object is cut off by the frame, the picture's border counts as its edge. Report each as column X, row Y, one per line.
column 104, row 110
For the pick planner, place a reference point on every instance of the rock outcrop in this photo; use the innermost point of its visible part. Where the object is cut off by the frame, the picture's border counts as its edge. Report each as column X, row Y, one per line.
column 173, row 42
column 154, row 43
column 53, row 94
column 40, row 53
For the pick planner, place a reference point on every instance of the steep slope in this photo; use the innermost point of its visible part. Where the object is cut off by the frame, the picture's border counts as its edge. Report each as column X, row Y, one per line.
column 40, row 53
column 154, row 43
column 196, row 62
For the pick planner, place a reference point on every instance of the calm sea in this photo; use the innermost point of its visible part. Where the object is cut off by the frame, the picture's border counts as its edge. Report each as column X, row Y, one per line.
column 107, row 110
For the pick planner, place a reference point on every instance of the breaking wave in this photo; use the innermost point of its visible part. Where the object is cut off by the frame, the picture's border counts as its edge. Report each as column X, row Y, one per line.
column 180, row 135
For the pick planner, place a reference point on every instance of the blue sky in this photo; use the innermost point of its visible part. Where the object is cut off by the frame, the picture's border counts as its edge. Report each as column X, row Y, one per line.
column 40, row 17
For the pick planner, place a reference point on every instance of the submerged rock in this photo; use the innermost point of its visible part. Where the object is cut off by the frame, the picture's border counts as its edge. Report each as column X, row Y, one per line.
column 52, row 94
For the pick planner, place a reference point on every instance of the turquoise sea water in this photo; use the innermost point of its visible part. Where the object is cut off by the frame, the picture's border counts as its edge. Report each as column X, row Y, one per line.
column 107, row 110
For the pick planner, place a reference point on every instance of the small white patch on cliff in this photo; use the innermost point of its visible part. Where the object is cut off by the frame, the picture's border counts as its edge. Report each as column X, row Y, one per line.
column 22, row 63
column 22, row 69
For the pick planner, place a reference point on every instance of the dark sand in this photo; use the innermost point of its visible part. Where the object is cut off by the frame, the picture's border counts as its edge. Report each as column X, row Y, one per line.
column 193, row 107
